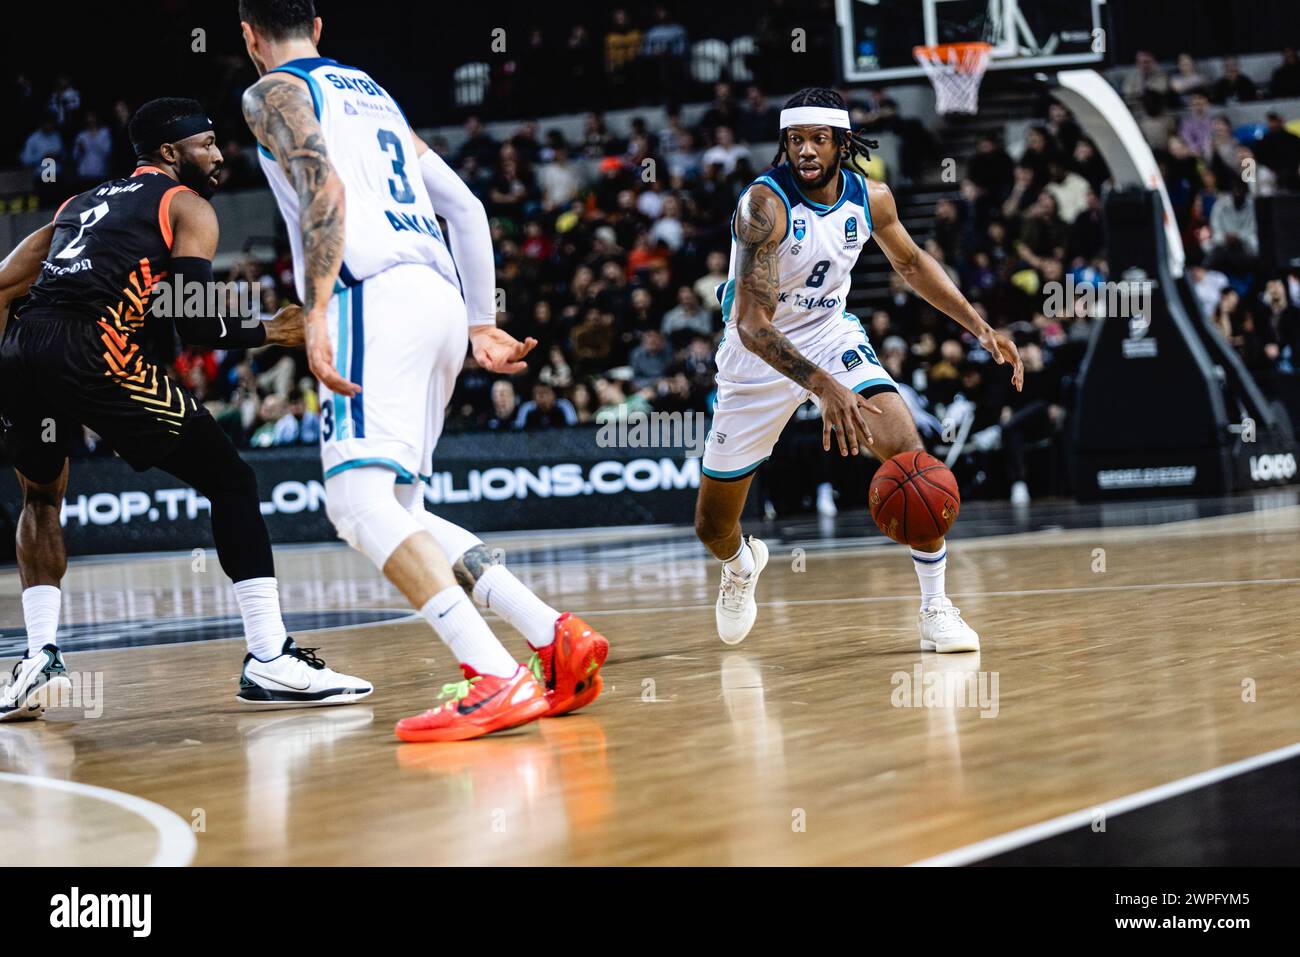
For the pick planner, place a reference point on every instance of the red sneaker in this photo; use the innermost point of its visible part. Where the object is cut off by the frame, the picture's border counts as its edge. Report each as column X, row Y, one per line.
column 479, row 705
column 569, row 667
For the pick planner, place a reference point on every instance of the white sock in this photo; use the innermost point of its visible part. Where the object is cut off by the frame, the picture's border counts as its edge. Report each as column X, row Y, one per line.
column 742, row 563
column 259, row 603
column 41, row 605
column 510, row 598
column 930, row 567
column 464, row 631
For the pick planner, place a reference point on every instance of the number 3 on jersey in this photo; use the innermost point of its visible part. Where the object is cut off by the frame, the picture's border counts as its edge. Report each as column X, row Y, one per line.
column 400, row 187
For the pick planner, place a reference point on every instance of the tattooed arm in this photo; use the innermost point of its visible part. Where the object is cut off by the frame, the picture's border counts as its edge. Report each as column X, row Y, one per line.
column 280, row 113
column 760, row 227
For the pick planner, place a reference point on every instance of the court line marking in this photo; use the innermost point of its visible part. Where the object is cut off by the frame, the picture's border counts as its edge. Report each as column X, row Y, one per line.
column 993, row 846
column 1025, row 592
column 176, row 842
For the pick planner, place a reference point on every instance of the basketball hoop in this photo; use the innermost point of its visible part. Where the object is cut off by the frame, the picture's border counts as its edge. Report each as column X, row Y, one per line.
column 956, row 70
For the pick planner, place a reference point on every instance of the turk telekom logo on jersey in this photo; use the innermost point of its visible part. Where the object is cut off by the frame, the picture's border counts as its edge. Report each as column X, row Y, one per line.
column 800, row 230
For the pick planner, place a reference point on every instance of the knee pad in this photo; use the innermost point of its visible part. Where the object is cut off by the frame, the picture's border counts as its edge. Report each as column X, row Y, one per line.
column 364, row 509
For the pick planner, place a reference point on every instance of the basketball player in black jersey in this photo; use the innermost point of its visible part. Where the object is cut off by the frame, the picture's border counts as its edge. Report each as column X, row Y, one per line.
column 76, row 355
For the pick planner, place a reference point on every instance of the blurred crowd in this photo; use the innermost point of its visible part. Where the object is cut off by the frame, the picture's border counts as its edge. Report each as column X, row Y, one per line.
column 611, row 244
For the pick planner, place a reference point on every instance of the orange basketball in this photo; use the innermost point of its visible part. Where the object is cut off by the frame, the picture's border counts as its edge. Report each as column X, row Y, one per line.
column 914, row 498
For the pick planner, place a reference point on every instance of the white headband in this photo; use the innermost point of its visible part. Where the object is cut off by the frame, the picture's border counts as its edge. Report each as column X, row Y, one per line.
column 815, row 116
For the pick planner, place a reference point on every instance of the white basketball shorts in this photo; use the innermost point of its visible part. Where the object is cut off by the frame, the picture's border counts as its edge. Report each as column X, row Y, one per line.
column 401, row 335
column 755, row 401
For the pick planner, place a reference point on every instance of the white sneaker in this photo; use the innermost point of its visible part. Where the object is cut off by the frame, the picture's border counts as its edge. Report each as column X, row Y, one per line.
column 826, row 501
column 943, row 630
column 39, row 681
column 736, row 608
column 297, row 679
column 1019, row 494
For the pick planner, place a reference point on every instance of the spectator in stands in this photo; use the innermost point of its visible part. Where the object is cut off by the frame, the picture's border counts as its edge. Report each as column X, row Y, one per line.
column 665, row 49
column 707, row 285
column 1223, row 148
column 512, row 192
column 1156, row 124
column 687, row 319
column 1087, row 162
column 725, row 152
column 1068, row 188
column 1039, row 152
column 299, row 425
column 1087, row 233
column 1234, row 239
column 91, row 153
column 669, row 228
column 582, row 403
column 622, row 46
column 273, row 408
column 1042, row 235
column 1279, row 322
column 1182, row 177
column 1279, row 150
column 1024, row 193
column 1234, row 86
column 723, row 111
column 545, row 411
column 1188, row 79
column 1197, row 127
column 759, row 120
column 991, row 168
column 559, row 181
column 651, row 359
column 1147, row 78
column 43, row 155
column 478, row 144
column 948, row 229
column 1062, row 128
column 65, row 103
column 581, row 60
column 505, row 405
column 1208, row 285
column 614, row 403
column 1285, row 82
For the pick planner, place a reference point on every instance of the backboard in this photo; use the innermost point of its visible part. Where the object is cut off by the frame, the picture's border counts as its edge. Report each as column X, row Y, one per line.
column 877, row 36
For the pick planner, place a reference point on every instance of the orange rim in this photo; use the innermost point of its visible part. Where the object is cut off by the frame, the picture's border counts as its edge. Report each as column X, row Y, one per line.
column 966, row 55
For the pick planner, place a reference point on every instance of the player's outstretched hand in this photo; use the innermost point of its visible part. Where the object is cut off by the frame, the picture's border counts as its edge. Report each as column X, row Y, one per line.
column 844, row 413
column 320, row 357
column 285, row 328
column 1003, row 349
column 498, row 351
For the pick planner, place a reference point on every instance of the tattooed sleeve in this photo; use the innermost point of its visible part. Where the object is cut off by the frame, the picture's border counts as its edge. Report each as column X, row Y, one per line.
column 757, row 282
column 281, row 116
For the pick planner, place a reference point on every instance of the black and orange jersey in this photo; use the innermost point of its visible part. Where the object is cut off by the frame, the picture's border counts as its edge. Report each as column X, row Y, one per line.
column 111, row 246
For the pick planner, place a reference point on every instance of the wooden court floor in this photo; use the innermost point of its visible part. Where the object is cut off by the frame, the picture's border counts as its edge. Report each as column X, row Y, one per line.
column 1114, row 660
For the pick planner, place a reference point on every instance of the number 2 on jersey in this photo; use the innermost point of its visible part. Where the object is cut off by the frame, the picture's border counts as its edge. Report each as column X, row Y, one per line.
column 400, row 187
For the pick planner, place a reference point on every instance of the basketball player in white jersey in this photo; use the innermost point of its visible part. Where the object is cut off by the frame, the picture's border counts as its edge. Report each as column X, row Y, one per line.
column 387, row 327
column 796, row 234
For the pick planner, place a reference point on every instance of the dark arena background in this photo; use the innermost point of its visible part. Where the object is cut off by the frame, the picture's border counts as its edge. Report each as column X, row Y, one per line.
column 1114, row 187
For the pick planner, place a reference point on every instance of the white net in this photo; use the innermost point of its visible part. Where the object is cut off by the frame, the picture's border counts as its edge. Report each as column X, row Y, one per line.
column 956, row 70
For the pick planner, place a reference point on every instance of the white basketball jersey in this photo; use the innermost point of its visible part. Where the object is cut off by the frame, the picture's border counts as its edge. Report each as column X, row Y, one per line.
column 815, row 259
column 388, row 216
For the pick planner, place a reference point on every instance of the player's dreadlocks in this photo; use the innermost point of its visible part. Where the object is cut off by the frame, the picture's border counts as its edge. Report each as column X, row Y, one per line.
column 858, row 146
